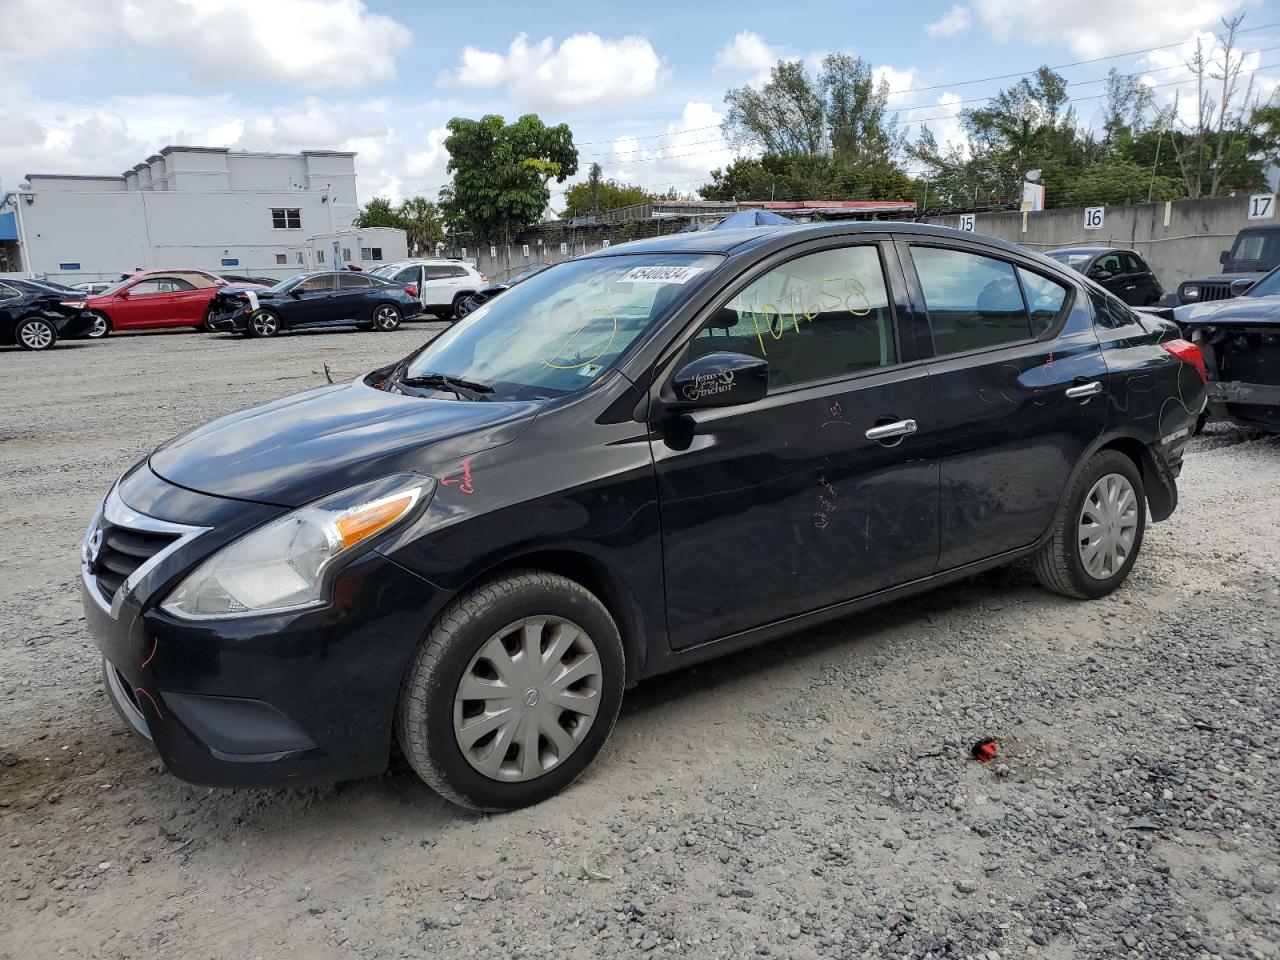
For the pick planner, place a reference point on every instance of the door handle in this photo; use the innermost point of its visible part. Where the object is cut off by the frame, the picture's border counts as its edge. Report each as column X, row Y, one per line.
column 903, row 428
column 1084, row 389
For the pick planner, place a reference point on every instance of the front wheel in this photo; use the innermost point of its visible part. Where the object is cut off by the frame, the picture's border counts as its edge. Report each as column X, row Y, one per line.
column 513, row 692
column 101, row 327
column 463, row 307
column 455, row 309
column 1098, row 531
column 35, row 333
column 386, row 318
column 264, row 323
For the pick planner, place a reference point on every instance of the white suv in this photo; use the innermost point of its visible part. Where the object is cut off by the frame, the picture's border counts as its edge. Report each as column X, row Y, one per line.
column 441, row 284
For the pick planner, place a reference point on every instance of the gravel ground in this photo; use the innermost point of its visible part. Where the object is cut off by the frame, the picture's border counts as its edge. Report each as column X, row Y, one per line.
column 812, row 798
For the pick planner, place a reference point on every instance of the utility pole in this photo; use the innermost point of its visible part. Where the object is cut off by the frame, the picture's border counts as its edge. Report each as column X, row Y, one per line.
column 1152, row 187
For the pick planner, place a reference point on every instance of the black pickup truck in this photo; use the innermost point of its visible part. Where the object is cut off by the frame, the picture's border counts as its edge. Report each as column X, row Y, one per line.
column 1256, row 251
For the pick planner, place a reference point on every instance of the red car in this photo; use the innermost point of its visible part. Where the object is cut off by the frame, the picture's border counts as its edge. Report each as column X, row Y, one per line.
column 155, row 299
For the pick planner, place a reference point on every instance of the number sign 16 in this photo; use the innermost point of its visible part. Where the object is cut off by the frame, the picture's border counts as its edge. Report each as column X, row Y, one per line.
column 1093, row 217
column 1262, row 206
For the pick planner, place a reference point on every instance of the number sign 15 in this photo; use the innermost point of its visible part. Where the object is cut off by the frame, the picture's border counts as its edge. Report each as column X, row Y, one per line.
column 1093, row 217
column 1262, row 206
column 968, row 222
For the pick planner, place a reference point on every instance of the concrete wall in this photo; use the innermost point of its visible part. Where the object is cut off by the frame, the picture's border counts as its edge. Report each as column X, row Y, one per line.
column 1180, row 239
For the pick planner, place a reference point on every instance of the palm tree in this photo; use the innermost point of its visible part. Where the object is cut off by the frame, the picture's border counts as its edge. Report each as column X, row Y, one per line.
column 422, row 224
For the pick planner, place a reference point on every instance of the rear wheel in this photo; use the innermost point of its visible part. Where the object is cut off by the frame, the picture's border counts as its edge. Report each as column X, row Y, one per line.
column 455, row 306
column 386, row 318
column 463, row 308
column 264, row 323
column 35, row 333
column 1098, row 531
column 513, row 692
column 101, row 327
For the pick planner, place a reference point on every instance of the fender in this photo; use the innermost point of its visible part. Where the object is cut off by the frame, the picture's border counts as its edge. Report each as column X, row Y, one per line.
column 1157, row 477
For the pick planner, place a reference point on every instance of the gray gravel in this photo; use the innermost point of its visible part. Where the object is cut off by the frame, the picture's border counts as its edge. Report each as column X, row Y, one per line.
column 812, row 798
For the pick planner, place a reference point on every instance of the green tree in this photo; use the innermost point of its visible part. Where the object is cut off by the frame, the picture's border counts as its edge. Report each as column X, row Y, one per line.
column 500, row 173
column 591, row 199
column 422, row 223
column 799, row 177
column 378, row 212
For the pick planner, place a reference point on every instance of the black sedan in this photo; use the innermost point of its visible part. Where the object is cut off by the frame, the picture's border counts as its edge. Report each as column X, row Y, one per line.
column 34, row 316
column 1122, row 272
column 313, row 300
column 645, row 457
column 485, row 294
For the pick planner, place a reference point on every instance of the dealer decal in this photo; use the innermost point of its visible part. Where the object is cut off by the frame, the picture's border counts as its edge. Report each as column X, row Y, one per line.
column 253, row 299
column 660, row 274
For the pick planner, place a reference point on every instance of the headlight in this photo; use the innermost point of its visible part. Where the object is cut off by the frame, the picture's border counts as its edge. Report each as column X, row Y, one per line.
column 281, row 566
column 1191, row 293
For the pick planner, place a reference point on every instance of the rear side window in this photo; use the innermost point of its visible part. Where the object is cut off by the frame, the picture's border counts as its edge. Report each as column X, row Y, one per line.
column 437, row 273
column 408, row 275
column 813, row 318
column 1045, row 300
column 1131, row 263
column 353, row 281
column 973, row 301
column 459, row 271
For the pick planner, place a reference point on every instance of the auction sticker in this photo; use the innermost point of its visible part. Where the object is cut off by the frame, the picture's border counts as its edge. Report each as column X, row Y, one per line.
column 660, row 274
column 253, row 300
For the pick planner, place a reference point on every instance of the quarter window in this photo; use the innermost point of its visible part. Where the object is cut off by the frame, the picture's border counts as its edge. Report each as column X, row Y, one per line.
column 1111, row 312
column 286, row 218
column 8, row 293
column 813, row 318
column 973, row 301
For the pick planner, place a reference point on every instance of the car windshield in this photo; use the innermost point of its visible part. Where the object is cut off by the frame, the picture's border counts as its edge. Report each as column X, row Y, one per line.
column 1268, row 286
column 557, row 332
column 384, row 271
column 1076, row 261
column 1260, row 247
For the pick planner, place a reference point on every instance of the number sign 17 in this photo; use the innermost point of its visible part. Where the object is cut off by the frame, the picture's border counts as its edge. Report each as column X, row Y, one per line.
column 1262, row 206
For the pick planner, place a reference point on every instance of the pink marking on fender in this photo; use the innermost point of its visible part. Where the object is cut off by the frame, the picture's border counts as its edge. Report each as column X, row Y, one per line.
column 155, row 645
column 155, row 706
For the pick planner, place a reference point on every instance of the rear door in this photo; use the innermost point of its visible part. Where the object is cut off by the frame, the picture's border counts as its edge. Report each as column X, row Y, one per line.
column 1108, row 271
column 787, row 505
column 352, row 300
column 437, row 289
column 1019, row 384
column 188, row 303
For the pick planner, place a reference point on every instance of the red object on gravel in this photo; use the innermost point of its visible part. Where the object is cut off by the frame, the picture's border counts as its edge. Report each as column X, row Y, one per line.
column 984, row 750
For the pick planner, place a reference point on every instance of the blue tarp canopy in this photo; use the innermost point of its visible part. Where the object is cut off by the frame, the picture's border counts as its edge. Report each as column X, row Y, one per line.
column 751, row 218
column 8, row 226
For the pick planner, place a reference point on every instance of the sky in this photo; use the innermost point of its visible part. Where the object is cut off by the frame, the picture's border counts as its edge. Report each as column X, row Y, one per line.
column 95, row 86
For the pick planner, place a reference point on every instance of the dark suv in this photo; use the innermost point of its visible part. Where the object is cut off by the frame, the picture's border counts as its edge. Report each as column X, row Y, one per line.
column 629, row 463
column 1256, row 251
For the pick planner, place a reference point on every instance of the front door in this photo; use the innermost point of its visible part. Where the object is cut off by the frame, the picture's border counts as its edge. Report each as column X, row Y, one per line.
column 1020, row 387
column 311, row 302
column 791, row 504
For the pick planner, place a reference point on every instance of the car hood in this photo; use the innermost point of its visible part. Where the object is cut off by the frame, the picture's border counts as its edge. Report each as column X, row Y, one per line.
column 1237, row 310
column 295, row 450
column 1224, row 277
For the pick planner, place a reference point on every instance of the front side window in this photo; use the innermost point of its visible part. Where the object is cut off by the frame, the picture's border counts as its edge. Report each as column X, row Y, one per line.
column 1131, row 263
column 973, row 301
column 408, row 275
column 1268, row 286
column 145, row 288
column 813, row 318
column 319, row 284
column 557, row 333
column 1260, row 247
column 1110, row 262
column 286, row 218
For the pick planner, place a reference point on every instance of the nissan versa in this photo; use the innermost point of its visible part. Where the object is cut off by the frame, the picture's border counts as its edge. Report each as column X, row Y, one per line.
column 633, row 461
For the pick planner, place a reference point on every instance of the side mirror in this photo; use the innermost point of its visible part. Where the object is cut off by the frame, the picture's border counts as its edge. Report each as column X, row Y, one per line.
column 1241, row 285
column 1223, row 257
column 720, row 380
column 123, row 294
column 1097, row 273
column 297, row 293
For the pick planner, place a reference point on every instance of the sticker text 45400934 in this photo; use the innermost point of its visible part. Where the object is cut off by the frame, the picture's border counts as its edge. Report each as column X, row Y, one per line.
column 847, row 292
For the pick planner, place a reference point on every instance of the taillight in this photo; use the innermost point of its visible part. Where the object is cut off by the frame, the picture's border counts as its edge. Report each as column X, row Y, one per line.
column 410, row 289
column 1188, row 352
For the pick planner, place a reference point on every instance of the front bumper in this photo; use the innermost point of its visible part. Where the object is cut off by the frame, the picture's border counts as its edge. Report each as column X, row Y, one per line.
column 235, row 321
column 1248, row 404
column 305, row 697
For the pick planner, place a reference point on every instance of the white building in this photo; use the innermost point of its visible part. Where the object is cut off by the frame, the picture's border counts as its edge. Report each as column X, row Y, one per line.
column 207, row 207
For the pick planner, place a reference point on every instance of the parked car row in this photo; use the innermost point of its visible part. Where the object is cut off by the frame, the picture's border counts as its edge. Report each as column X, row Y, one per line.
column 35, row 314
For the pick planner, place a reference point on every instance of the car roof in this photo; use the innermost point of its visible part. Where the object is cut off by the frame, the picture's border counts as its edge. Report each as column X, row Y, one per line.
column 736, row 242
column 1090, row 250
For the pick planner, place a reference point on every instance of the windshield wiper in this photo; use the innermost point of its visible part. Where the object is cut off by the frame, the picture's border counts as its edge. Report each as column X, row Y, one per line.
column 440, row 381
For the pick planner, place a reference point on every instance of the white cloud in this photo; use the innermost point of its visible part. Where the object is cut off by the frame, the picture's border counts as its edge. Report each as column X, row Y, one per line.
column 317, row 44
column 899, row 81
column 682, row 157
column 956, row 20
column 585, row 70
column 1097, row 28
column 747, row 53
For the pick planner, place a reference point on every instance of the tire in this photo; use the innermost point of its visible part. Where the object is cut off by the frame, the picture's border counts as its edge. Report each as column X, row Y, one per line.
column 462, row 309
column 386, row 317
column 264, row 323
column 453, row 307
column 432, row 719
column 1061, row 566
column 101, row 327
column 207, row 323
column 35, row 333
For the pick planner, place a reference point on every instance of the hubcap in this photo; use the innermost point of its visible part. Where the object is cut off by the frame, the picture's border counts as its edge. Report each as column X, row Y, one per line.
column 99, row 328
column 386, row 317
column 1108, row 526
column 37, row 336
column 527, row 699
column 264, row 324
